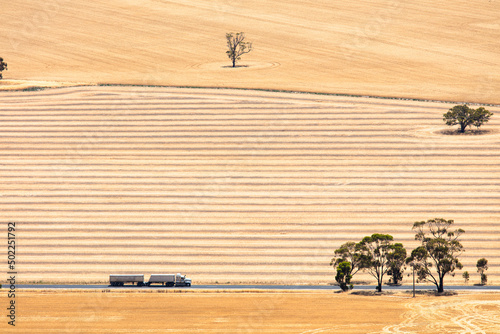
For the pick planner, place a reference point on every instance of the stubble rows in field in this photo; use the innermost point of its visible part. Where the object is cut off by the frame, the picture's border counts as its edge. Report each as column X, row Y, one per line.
column 230, row 185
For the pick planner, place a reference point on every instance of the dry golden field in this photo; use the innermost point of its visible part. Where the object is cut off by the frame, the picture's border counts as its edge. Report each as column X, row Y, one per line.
column 233, row 185
column 423, row 49
column 265, row 312
column 243, row 186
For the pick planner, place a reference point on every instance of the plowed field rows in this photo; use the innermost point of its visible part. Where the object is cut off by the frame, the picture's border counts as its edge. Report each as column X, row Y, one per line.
column 230, row 185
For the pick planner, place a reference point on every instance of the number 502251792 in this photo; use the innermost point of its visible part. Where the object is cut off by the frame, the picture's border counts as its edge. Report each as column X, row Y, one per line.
column 11, row 246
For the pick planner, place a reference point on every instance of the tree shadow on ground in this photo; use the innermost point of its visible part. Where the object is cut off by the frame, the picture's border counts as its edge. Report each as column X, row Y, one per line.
column 372, row 293
column 456, row 132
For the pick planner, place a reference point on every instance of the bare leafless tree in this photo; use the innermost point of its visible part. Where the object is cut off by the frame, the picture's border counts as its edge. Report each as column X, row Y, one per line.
column 237, row 46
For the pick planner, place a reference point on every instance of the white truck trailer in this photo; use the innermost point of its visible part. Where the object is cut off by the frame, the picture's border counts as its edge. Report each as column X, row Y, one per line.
column 169, row 280
column 121, row 280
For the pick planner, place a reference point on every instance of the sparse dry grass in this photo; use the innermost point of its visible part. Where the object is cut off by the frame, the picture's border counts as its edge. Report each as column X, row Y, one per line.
column 265, row 312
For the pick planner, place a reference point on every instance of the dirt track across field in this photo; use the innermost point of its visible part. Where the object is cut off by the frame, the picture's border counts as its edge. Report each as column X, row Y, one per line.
column 231, row 185
column 229, row 312
column 425, row 49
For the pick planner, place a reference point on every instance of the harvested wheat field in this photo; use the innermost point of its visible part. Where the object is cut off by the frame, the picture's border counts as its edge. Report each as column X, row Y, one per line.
column 290, row 313
column 233, row 185
column 424, row 49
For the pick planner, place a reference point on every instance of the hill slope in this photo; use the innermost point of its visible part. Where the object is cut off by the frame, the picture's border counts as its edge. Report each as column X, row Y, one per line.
column 426, row 49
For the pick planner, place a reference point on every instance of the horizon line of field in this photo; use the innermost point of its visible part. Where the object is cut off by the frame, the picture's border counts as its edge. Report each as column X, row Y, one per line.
column 194, row 94
column 273, row 94
column 182, row 96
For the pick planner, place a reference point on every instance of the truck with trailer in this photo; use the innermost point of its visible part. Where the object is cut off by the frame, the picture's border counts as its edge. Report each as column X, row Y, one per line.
column 121, row 280
column 167, row 280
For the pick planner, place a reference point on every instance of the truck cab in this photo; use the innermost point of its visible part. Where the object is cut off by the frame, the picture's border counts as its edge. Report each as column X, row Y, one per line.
column 181, row 280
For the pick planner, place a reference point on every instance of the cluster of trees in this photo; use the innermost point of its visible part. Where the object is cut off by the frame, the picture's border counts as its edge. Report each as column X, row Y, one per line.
column 378, row 255
column 482, row 266
column 466, row 117
column 3, row 66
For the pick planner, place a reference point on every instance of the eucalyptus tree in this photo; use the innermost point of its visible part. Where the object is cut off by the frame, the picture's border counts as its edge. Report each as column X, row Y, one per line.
column 438, row 253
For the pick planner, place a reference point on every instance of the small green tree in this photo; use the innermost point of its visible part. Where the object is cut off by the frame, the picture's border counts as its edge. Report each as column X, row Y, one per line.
column 439, row 252
column 466, row 277
column 343, row 276
column 396, row 259
column 237, row 46
column 466, row 116
column 347, row 252
column 3, row 66
column 482, row 266
column 375, row 253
